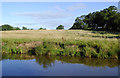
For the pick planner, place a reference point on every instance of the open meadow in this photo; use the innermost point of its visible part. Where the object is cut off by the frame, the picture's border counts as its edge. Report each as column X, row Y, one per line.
column 81, row 43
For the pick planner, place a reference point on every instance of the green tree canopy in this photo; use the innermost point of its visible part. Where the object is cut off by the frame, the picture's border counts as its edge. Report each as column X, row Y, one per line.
column 24, row 28
column 42, row 28
column 106, row 19
column 79, row 23
column 6, row 27
column 16, row 28
column 60, row 27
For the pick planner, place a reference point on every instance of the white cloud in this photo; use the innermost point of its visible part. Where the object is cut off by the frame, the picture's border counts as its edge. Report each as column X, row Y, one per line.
column 75, row 7
column 58, row 8
column 45, row 15
column 26, row 23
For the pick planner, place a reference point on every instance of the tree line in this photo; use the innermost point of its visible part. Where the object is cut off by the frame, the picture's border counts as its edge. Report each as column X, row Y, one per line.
column 7, row 27
column 107, row 19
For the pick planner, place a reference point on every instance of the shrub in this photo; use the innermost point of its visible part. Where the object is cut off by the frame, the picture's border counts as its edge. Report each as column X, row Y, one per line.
column 60, row 27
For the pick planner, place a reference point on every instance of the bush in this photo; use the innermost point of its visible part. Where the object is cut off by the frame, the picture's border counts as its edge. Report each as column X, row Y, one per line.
column 60, row 27
column 24, row 28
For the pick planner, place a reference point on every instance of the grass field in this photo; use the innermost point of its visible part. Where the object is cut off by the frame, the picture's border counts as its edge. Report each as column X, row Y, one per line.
column 81, row 43
column 55, row 34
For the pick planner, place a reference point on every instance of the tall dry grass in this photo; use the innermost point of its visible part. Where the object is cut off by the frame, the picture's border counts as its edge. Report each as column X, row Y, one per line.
column 55, row 34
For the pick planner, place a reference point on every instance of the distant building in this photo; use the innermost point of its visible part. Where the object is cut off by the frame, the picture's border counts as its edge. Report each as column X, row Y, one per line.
column 119, row 6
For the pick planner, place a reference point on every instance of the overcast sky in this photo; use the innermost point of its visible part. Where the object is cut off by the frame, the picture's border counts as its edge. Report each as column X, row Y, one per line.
column 48, row 14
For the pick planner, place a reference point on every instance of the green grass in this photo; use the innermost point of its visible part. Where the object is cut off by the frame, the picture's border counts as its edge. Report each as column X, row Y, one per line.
column 61, row 43
column 95, row 49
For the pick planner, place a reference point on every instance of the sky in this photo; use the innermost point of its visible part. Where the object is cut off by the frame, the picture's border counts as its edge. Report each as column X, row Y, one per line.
column 48, row 14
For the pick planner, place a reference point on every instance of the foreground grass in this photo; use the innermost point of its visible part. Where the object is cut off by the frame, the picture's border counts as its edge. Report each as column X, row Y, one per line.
column 61, row 42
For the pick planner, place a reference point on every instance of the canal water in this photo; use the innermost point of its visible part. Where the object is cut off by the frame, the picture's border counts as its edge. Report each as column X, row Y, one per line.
column 26, row 65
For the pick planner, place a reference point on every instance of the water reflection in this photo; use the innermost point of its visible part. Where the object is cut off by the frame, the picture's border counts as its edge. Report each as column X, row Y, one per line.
column 17, row 56
column 49, row 61
column 46, row 61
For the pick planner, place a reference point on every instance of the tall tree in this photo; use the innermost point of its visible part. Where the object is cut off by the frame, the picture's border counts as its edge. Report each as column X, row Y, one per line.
column 79, row 23
column 106, row 19
column 114, row 22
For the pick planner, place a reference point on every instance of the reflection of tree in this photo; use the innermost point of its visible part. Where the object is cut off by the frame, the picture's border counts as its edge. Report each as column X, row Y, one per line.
column 91, row 61
column 49, row 61
column 46, row 61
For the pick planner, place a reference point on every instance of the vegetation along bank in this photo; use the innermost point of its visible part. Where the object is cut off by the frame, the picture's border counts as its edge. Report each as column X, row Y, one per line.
column 82, row 43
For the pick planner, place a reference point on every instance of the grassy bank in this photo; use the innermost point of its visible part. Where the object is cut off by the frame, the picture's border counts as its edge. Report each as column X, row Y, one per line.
column 62, row 42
